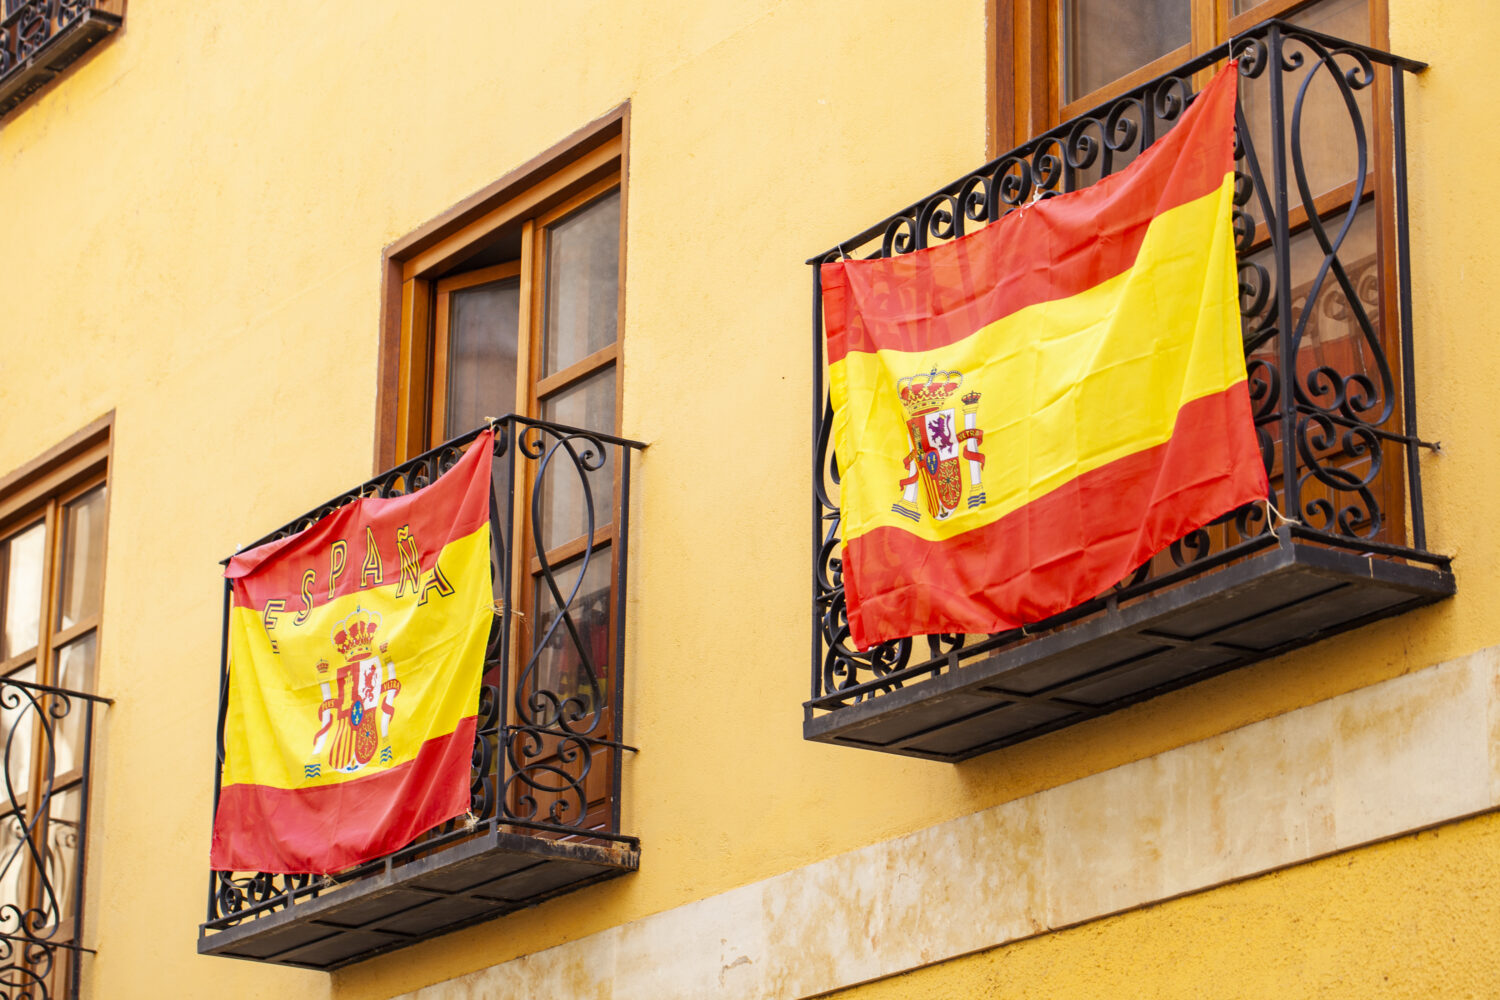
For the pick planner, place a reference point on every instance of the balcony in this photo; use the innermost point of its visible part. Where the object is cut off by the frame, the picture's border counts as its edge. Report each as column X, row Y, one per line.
column 1325, row 287
column 44, row 822
column 545, row 785
column 41, row 38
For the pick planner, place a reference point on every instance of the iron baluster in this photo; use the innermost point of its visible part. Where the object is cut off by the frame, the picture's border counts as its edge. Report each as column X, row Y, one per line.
column 80, row 853
column 817, row 473
column 1403, row 280
column 617, row 639
column 223, row 715
column 1282, row 251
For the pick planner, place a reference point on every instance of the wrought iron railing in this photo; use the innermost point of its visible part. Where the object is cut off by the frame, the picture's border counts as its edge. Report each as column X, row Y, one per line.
column 39, row 37
column 545, row 738
column 1328, row 336
column 49, row 737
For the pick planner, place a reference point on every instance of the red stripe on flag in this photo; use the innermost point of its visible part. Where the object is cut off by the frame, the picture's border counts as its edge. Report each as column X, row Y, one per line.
column 454, row 506
column 317, row 829
column 1037, row 561
column 1051, row 250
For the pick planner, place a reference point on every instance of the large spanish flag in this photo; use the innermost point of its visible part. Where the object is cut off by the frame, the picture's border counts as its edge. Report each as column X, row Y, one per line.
column 1024, row 415
column 356, row 649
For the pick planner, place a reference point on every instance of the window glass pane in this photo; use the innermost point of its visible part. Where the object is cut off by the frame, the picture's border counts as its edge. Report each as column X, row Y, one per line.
column 561, row 666
column 75, row 671
column 482, row 327
column 589, row 404
column 1333, row 336
column 23, row 590
column 14, row 860
column 1348, row 19
column 1103, row 39
column 583, row 283
column 62, row 852
column 83, row 558
column 18, row 714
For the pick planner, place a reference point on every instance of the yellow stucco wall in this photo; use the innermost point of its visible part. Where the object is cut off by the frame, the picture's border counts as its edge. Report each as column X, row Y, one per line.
column 192, row 235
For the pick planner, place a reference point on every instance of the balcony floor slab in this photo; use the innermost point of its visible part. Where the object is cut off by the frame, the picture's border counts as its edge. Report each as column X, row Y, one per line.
column 1266, row 604
column 479, row 879
column 65, row 47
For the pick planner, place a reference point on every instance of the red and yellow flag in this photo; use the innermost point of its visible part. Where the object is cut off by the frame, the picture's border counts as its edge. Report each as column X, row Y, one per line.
column 1024, row 415
column 356, row 649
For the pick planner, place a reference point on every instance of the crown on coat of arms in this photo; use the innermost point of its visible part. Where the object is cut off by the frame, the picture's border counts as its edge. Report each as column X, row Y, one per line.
column 354, row 637
column 927, row 392
column 971, row 398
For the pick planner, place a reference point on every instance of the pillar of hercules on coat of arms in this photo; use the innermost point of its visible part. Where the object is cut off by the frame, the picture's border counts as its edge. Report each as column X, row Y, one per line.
column 944, row 464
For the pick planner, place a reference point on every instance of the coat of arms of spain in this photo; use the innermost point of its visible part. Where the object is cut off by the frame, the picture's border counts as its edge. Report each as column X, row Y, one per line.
column 942, row 452
column 356, row 721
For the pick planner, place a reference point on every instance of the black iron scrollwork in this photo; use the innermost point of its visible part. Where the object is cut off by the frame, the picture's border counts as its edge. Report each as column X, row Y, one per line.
column 42, row 842
column 38, row 38
column 27, row 25
column 556, row 738
column 27, row 971
column 33, row 26
column 69, row 11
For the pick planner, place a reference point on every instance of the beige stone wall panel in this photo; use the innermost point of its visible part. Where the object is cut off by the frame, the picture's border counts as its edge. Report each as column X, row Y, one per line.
column 1407, row 754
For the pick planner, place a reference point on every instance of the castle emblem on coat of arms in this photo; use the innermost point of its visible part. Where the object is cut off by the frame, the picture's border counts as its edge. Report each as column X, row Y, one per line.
column 944, row 453
column 356, row 717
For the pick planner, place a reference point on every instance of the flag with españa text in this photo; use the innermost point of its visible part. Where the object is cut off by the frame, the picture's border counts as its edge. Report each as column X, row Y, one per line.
column 356, row 650
column 1025, row 414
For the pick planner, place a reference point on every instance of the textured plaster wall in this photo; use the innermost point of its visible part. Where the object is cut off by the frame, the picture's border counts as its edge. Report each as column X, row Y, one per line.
column 193, row 223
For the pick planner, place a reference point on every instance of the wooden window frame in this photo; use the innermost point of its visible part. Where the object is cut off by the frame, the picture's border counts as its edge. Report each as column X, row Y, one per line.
column 420, row 272
column 1023, row 34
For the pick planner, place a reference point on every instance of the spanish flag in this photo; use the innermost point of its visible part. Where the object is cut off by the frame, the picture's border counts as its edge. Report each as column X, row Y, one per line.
column 356, row 649
column 1024, row 415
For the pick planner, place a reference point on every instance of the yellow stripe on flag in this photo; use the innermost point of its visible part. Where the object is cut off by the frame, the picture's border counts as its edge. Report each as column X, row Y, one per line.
column 1069, row 385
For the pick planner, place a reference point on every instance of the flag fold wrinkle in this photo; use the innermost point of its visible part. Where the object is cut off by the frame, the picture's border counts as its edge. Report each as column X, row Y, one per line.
column 1024, row 415
column 356, row 648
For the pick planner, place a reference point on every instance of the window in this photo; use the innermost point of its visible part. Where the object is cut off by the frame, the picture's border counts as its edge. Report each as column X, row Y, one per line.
column 52, row 535
column 517, row 309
